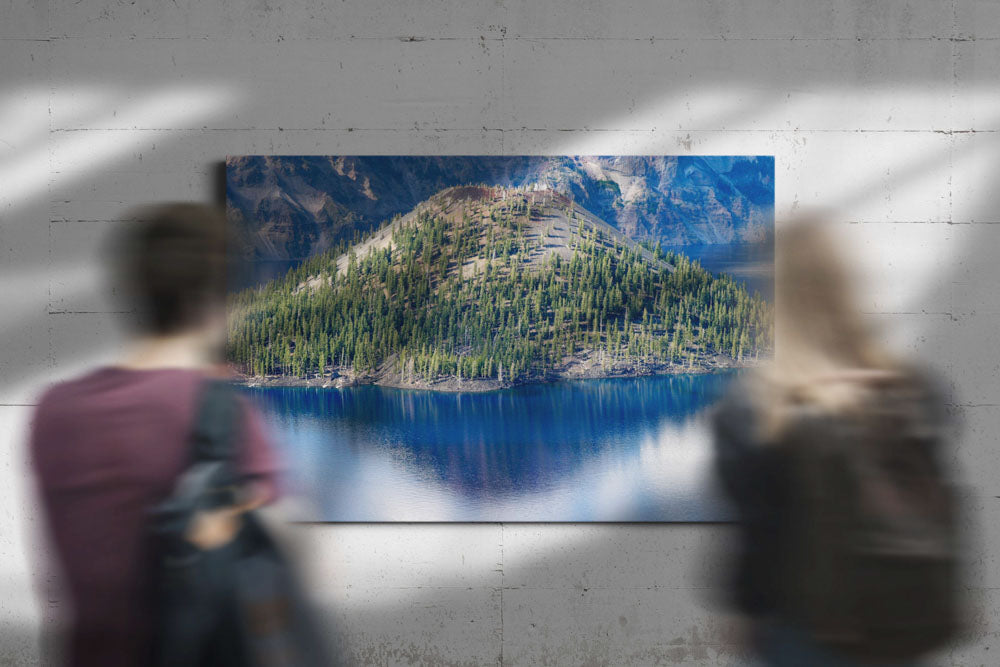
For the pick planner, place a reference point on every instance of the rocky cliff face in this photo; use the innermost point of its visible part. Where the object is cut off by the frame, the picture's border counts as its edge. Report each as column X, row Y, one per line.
column 296, row 206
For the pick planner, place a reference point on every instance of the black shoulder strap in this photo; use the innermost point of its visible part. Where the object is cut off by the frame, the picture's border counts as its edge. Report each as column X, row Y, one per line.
column 213, row 438
column 210, row 477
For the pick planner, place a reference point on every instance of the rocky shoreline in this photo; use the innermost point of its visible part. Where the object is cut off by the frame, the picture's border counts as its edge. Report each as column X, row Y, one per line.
column 579, row 367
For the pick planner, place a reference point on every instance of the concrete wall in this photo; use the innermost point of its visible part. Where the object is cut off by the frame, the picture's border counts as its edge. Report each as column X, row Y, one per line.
column 886, row 113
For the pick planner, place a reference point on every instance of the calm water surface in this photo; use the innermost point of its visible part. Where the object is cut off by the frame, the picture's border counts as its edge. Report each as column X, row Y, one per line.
column 635, row 449
column 591, row 450
column 753, row 265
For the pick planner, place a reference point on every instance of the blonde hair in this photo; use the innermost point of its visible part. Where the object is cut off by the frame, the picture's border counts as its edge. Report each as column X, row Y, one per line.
column 825, row 354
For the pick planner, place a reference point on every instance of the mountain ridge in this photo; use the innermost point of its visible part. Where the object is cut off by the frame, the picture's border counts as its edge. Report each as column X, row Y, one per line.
column 297, row 206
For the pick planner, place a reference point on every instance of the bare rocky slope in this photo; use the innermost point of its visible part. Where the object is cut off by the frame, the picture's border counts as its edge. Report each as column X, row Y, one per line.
column 297, row 206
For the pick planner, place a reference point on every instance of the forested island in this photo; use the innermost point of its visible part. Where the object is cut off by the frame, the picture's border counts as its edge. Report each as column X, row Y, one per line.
column 482, row 287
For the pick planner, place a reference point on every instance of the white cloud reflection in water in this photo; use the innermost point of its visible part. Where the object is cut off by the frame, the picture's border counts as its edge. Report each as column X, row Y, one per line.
column 371, row 454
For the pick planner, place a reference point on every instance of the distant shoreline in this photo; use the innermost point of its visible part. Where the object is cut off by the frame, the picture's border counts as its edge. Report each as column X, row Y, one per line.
column 581, row 367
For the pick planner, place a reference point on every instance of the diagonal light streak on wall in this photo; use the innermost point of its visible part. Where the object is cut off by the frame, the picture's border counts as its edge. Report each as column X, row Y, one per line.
column 27, row 175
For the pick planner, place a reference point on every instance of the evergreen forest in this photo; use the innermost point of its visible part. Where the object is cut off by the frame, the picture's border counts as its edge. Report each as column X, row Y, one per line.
column 506, row 284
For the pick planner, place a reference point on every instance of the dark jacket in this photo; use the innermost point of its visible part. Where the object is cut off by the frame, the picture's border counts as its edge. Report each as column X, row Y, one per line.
column 756, row 475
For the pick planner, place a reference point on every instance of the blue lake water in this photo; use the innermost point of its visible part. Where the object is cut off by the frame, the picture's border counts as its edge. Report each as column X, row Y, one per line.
column 753, row 265
column 255, row 274
column 631, row 449
column 635, row 449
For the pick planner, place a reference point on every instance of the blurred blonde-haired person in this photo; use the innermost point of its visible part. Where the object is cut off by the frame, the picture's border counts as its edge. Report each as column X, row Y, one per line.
column 831, row 455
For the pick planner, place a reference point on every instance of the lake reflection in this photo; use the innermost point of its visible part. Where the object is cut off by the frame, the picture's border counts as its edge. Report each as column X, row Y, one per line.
column 635, row 449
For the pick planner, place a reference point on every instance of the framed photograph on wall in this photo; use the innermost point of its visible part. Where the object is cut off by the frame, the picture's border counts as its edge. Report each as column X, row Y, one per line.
column 499, row 338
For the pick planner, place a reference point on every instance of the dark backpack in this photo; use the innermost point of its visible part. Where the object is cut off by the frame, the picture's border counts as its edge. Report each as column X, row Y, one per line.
column 236, row 605
column 873, row 553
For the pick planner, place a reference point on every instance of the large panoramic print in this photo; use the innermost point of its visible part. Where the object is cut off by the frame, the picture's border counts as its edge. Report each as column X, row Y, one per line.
column 495, row 338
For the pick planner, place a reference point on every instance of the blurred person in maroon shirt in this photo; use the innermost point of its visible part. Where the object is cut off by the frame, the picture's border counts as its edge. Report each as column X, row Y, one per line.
column 110, row 445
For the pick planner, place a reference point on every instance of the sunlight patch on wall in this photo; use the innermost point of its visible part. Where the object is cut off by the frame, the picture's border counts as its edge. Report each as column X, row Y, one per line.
column 26, row 172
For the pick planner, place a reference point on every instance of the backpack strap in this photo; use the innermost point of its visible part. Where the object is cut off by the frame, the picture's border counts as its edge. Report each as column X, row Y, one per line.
column 212, row 470
column 210, row 479
column 213, row 435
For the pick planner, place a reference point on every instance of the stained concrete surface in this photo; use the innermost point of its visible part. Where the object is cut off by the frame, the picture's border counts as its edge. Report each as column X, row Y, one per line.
column 885, row 114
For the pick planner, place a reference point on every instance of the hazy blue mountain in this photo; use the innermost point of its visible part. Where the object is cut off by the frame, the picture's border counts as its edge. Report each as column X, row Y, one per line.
column 296, row 206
